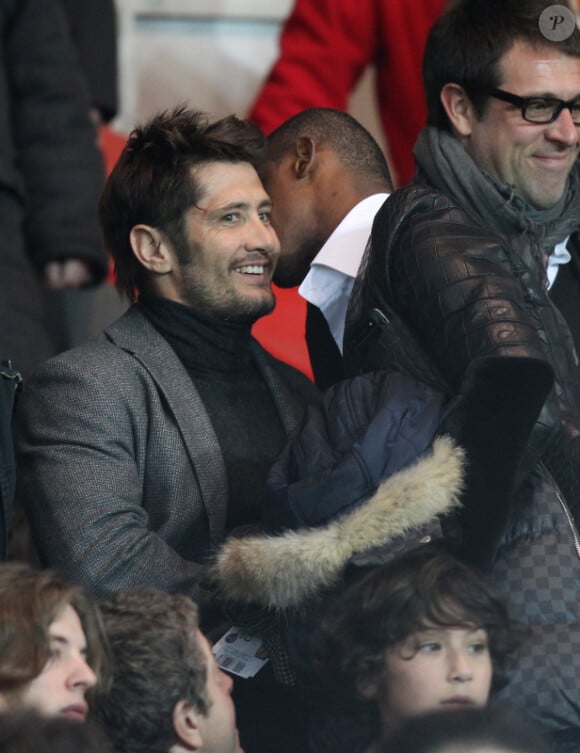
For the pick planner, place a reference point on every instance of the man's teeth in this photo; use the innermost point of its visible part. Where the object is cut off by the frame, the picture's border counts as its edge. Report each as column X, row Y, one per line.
column 251, row 269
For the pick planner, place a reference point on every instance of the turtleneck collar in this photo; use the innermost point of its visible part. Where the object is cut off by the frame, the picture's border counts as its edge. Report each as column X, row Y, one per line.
column 205, row 345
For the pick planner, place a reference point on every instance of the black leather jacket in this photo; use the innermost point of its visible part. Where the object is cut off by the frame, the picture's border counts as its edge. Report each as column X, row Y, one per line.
column 440, row 296
column 443, row 298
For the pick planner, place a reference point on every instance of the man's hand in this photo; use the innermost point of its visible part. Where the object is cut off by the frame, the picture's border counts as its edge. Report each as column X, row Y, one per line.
column 66, row 274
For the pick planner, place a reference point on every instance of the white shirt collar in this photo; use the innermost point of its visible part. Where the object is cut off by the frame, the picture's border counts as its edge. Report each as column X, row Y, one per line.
column 560, row 255
column 345, row 246
column 329, row 282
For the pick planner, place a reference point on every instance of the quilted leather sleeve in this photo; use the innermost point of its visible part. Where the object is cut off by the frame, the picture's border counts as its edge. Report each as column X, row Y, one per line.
column 456, row 286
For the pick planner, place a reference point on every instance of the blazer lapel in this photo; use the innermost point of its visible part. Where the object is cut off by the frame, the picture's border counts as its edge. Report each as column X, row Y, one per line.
column 133, row 333
column 290, row 409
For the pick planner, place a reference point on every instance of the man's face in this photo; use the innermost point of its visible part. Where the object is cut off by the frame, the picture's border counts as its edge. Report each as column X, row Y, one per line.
column 59, row 690
column 232, row 248
column 295, row 221
column 436, row 669
column 536, row 159
column 218, row 729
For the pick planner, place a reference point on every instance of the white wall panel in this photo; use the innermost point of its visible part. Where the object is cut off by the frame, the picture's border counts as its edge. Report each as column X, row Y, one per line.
column 273, row 9
column 211, row 54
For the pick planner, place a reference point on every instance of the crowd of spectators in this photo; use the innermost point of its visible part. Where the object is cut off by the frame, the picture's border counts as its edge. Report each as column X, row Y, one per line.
column 226, row 556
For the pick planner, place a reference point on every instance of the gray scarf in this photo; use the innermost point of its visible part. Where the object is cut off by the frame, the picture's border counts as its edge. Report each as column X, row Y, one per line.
column 444, row 164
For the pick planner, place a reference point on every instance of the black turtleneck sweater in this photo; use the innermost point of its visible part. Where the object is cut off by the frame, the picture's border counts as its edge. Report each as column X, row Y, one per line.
column 218, row 358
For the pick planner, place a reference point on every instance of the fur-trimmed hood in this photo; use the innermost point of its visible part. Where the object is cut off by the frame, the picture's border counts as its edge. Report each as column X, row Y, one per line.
column 282, row 571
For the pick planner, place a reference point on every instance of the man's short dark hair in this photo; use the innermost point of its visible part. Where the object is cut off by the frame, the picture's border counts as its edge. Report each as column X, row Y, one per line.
column 426, row 586
column 152, row 182
column 157, row 661
column 353, row 144
column 467, row 42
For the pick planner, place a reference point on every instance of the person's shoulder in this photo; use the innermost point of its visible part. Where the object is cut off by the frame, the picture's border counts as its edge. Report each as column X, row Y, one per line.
column 417, row 214
column 421, row 199
column 116, row 345
column 88, row 353
column 79, row 375
column 99, row 360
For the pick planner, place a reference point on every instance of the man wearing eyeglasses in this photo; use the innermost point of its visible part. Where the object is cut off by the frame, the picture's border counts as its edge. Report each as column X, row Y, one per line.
column 471, row 284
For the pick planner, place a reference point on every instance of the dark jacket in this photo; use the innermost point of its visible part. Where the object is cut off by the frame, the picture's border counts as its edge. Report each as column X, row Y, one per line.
column 51, row 171
column 119, row 466
column 457, row 305
column 94, row 33
column 360, row 481
column 359, row 476
column 48, row 153
column 10, row 381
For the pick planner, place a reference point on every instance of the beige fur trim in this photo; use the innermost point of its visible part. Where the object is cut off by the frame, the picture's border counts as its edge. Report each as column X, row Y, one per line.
column 281, row 571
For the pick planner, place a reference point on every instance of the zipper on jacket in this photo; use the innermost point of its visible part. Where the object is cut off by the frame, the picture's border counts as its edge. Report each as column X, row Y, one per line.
column 7, row 371
column 567, row 513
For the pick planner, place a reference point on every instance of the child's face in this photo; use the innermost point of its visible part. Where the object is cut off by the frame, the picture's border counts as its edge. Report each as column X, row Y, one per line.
column 436, row 668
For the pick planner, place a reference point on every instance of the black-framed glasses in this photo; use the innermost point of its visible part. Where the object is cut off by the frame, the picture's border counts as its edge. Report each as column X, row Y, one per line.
column 539, row 110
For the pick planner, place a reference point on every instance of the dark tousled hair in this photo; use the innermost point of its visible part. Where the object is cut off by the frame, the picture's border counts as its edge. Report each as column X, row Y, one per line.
column 467, row 42
column 424, row 587
column 154, row 183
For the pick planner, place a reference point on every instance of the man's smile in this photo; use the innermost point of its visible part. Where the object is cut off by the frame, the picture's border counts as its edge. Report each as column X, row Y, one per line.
column 253, row 269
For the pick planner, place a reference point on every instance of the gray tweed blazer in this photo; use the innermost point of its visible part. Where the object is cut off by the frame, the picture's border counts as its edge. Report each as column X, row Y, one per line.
column 118, row 465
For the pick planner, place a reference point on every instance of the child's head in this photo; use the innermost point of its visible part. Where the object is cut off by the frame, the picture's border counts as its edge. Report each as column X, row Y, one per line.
column 423, row 632
column 51, row 642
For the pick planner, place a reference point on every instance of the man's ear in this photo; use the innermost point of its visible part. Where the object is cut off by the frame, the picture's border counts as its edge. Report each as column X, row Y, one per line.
column 151, row 249
column 305, row 158
column 186, row 725
column 459, row 108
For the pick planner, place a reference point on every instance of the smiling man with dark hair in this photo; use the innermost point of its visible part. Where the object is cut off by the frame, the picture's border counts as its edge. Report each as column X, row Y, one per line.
column 139, row 453
column 471, row 283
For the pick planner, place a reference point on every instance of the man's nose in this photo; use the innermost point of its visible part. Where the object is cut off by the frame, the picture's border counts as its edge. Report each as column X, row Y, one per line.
column 262, row 235
column 563, row 129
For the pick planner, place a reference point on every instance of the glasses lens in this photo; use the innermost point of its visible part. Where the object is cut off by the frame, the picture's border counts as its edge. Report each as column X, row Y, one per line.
column 575, row 111
column 539, row 110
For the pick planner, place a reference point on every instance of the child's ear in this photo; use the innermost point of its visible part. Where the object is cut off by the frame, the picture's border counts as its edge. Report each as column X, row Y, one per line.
column 370, row 682
column 186, row 725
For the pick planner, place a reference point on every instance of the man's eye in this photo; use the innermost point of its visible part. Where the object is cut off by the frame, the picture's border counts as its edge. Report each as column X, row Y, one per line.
column 231, row 217
column 541, row 106
column 265, row 217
